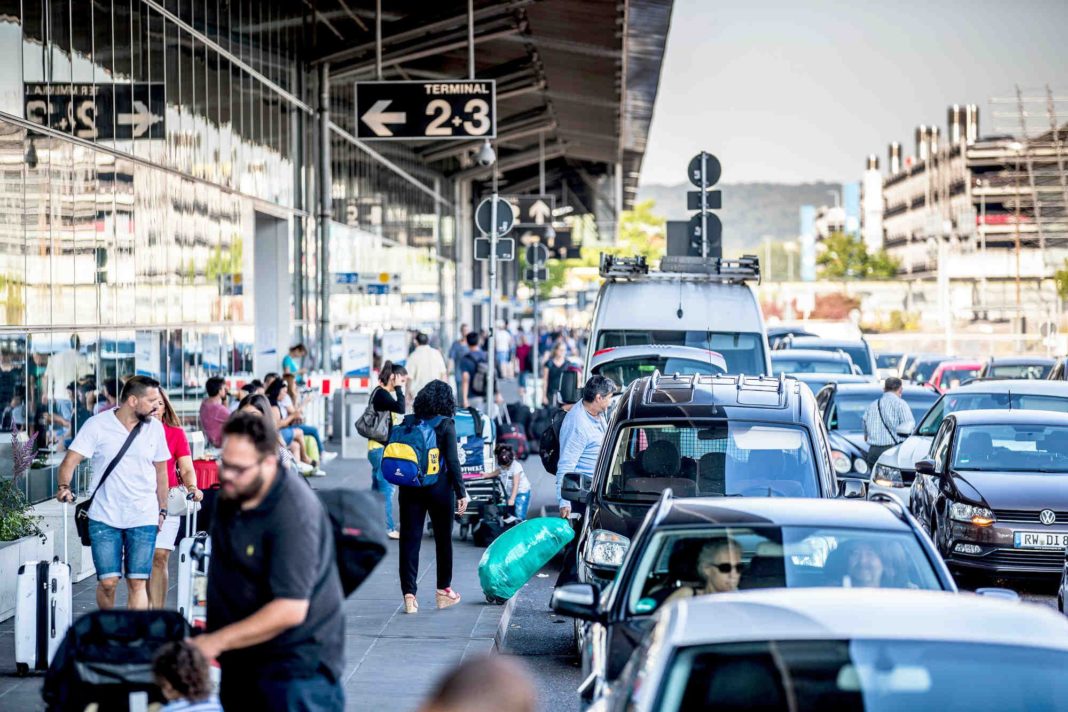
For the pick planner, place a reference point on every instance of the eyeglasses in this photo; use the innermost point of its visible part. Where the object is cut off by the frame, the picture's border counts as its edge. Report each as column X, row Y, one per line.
column 234, row 469
column 726, row 567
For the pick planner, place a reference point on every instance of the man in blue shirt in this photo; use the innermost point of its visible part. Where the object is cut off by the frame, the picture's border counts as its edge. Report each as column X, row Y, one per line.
column 456, row 352
column 582, row 434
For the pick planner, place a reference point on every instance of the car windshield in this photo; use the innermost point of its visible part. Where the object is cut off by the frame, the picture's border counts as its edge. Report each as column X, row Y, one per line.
column 954, row 402
column 859, row 354
column 743, row 352
column 888, row 360
column 848, row 411
column 794, row 364
column 717, row 459
column 1012, row 448
column 922, row 371
column 953, row 377
column 625, row 370
column 677, row 564
column 865, row 675
column 1027, row 371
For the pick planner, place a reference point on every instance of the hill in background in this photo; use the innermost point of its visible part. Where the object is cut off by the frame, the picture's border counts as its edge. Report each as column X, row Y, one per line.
column 750, row 210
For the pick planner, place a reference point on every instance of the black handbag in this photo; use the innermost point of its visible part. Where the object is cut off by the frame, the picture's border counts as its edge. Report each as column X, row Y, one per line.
column 81, row 510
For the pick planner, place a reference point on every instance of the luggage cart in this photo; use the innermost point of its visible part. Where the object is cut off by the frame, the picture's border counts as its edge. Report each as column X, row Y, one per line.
column 482, row 493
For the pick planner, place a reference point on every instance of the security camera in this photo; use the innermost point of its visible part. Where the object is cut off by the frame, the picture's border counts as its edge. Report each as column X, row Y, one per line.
column 550, row 233
column 31, row 156
column 486, row 155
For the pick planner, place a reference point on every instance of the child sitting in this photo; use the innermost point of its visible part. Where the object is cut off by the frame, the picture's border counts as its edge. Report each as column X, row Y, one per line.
column 183, row 676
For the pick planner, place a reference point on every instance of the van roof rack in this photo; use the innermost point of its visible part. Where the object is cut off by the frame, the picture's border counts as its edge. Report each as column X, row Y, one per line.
column 675, row 267
column 616, row 266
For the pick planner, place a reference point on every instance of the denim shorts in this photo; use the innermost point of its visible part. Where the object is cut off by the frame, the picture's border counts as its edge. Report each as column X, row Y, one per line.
column 110, row 546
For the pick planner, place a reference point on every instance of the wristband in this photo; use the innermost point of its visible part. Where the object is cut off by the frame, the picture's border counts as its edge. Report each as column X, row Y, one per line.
column 163, row 513
column 63, row 487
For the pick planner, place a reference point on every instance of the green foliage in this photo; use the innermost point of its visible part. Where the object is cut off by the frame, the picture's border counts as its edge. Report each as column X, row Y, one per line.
column 641, row 232
column 1060, row 279
column 16, row 517
column 846, row 257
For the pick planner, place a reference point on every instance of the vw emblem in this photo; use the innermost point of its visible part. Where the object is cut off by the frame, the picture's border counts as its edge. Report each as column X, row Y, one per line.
column 1047, row 517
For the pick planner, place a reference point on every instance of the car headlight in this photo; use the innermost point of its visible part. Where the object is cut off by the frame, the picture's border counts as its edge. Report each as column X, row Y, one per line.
column 842, row 463
column 860, row 465
column 886, row 476
column 606, row 549
column 979, row 516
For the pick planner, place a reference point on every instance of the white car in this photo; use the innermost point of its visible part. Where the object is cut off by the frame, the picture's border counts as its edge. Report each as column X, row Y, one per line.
column 624, row 364
column 846, row 649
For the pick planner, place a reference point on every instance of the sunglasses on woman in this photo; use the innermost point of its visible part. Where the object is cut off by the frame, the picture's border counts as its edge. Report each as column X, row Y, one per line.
column 725, row 568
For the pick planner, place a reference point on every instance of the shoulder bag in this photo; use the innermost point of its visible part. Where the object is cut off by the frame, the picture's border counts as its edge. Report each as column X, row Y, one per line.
column 81, row 510
column 372, row 424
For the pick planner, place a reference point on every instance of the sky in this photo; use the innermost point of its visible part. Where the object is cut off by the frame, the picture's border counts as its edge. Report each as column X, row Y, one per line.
column 803, row 90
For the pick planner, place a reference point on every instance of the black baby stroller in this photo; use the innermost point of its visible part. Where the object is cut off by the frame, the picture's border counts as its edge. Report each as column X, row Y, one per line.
column 483, row 494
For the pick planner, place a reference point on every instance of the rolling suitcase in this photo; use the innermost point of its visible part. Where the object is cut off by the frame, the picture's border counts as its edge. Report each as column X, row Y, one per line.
column 43, row 609
column 508, row 433
column 194, row 553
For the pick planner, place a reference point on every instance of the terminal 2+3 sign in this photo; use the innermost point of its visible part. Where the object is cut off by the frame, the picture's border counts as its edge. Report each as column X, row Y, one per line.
column 98, row 111
column 426, row 110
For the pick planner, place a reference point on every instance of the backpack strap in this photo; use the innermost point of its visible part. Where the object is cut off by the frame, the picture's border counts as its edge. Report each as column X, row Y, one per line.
column 477, row 417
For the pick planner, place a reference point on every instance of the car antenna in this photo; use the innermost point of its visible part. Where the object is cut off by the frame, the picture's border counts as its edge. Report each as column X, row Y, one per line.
column 679, row 312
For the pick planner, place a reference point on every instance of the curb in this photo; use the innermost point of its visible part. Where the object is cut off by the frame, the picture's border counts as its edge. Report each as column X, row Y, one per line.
column 501, row 635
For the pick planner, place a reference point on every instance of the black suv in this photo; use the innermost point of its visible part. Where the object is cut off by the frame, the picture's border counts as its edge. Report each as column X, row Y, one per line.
column 706, row 436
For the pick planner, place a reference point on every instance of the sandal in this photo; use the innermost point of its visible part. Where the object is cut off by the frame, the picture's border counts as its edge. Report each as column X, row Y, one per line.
column 410, row 604
column 447, row 597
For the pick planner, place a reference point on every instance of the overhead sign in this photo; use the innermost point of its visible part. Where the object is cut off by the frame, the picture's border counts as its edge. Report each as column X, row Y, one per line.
column 532, row 210
column 505, row 248
column 366, row 283
column 484, row 216
column 426, row 110
column 98, row 111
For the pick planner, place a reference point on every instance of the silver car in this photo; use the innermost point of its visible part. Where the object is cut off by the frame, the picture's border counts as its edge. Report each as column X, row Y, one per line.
column 846, row 649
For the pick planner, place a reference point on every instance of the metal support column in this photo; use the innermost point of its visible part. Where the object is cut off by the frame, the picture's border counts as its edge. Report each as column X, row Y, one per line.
column 491, row 348
column 325, row 215
column 297, row 134
column 440, row 243
column 458, row 242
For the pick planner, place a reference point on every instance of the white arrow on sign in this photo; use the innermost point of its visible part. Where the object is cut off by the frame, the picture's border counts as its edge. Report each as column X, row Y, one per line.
column 377, row 117
column 141, row 120
column 540, row 212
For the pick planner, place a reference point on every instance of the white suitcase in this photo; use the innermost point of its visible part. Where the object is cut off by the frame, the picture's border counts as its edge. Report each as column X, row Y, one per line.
column 194, row 553
column 44, row 609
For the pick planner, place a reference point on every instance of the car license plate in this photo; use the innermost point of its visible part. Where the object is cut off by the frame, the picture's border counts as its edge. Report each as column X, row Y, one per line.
column 1040, row 540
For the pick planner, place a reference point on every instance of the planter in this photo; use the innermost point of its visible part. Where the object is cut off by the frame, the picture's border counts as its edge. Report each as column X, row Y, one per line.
column 12, row 555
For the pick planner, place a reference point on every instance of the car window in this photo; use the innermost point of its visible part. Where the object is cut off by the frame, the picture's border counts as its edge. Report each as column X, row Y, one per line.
column 1034, row 371
column 871, row 674
column 888, row 360
column 623, row 371
column 954, row 402
column 1012, row 448
column 940, row 446
column 743, row 352
column 849, row 409
column 858, row 354
column 953, row 377
column 717, row 459
column 719, row 559
column 781, row 364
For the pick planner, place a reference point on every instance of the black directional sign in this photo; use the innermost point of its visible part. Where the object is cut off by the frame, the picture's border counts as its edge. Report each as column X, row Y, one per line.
column 533, row 210
column 715, row 235
column 537, row 254
column 539, row 274
column 98, row 111
column 505, row 248
column 484, row 216
column 713, row 200
column 711, row 173
column 426, row 110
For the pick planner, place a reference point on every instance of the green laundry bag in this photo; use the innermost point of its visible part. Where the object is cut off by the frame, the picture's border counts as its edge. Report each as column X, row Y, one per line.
column 519, row 553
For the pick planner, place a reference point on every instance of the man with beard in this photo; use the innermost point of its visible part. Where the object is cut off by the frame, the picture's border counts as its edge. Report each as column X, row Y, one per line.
column 129, row 507
column 274, row 596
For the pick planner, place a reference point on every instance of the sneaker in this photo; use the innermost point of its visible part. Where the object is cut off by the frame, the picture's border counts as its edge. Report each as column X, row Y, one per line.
column 305, row 469
column 394, row 534
column 318, row 472
column 327, row 456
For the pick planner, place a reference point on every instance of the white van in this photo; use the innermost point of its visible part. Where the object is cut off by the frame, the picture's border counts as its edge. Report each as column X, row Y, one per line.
column 704, row 304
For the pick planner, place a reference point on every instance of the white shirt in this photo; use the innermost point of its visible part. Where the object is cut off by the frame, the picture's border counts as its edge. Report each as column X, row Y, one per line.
column 128, row 498
column 424, row 365
column 514, row 470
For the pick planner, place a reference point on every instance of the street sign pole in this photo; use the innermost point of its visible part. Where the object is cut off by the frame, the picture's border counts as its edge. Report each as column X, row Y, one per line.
column 535, row 364
column 704, row 207
column 491, row 371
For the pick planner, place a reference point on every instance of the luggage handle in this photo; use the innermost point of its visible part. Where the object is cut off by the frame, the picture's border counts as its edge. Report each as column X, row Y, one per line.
column 191, row 515
column 66, row 554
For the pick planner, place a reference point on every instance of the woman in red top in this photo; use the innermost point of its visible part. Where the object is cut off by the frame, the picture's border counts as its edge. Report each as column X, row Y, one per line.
column 181, row 463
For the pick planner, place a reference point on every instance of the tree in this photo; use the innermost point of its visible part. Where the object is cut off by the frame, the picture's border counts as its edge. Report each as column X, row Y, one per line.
column 1060, row 279
column 845, row 257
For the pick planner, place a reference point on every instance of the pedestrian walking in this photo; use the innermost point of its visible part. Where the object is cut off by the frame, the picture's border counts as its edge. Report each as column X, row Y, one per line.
column 386, row 399
column 475, row 369
column 181, row 482
column 439, row 500
column 485, row 683
column 552, row 373
column 457, row 352
column 128, row 454
column 213, row 410
column 274, row 595
column 884, row 418
column 184, row 678
column 425, row 364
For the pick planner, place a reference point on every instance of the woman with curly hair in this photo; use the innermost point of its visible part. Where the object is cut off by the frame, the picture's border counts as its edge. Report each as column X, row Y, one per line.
column 184, row 679
column 439, row 500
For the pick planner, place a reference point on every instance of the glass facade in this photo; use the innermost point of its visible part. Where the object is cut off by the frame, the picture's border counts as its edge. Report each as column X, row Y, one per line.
column 128, row 222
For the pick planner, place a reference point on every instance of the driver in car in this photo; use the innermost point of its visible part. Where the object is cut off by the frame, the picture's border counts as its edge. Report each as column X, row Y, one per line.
column 720, row 565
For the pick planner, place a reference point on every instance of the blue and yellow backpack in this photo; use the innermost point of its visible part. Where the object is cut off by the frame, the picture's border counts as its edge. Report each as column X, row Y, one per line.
column 412, row 457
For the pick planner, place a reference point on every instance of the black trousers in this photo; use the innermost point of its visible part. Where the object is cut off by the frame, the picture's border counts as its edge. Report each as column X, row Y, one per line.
column 415, row 504
column 874, row 453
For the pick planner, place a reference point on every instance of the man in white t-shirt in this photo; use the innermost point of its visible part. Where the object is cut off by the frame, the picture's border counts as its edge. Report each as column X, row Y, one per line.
column 129, row 510
column 424, row 364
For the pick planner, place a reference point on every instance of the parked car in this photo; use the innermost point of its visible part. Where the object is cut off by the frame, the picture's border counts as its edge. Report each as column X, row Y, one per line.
column 780, row 332
column 923, row 368
column 950, row 374
column 722, row 436
column 816, row 381
column 794, row 361
column 625, row 364
column 846, row 649
column 888, row 363
column 993, row 492
column 896, row 468
column 781, row 543
column 911, row 357
column 842, row 408
column 858, row 350
column 1018, row 367
column 637, row 307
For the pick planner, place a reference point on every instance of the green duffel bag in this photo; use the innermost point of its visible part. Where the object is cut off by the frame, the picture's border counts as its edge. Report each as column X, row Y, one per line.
column 519, row 553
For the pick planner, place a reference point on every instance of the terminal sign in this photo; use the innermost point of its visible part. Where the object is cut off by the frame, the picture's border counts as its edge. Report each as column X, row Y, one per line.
column 426, row 111
column 98, row 111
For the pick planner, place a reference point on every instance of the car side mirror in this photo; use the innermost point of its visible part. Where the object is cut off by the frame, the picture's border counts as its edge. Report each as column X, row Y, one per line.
column 577, row 600
column 572, row 488
column 926, row 466
column 852, row 489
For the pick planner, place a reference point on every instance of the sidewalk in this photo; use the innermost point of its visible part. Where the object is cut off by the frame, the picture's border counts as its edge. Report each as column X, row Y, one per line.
column 391, row 659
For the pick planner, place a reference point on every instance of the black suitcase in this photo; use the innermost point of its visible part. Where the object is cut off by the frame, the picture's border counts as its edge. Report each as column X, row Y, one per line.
column 539, row 422
column 521, row 415
column 509, row 433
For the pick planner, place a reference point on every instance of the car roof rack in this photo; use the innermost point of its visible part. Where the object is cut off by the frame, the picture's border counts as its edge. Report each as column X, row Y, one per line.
column 615, row 267
column 675, row 267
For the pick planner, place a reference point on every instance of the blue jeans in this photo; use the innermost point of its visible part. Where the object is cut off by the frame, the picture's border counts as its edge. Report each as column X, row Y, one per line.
column 110, row 546
column 386, row 488
column 314, row 432
column 522, row 504
column 319, row 693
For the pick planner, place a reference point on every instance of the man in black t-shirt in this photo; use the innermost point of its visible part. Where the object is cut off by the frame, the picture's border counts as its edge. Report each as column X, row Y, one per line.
column 274, row 596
